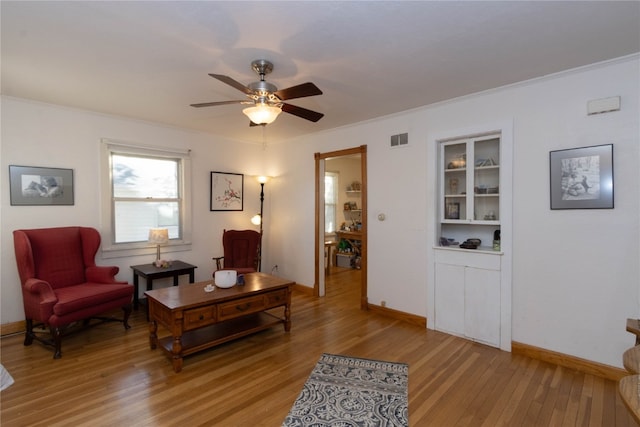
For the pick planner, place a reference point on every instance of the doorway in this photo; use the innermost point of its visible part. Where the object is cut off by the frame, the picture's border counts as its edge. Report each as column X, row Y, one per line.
column 320, row 162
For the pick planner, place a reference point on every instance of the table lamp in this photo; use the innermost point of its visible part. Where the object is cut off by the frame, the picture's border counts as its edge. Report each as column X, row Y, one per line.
column 158, row 236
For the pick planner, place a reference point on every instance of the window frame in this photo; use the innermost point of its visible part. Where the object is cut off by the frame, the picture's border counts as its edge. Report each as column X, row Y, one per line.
column 110, row 249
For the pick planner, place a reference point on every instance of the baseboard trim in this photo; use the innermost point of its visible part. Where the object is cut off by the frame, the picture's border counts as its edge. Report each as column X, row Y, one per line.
column 399, row 315
column 567, row 361
column 13, row 328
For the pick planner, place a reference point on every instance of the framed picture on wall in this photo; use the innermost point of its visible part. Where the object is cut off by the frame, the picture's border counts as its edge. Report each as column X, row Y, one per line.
column 38, row 186
column 582, row 178
column 226, row 191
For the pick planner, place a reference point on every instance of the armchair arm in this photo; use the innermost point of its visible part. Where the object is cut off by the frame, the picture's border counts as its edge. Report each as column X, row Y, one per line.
column 102, row 274
column 218, row 262
column 39, row 297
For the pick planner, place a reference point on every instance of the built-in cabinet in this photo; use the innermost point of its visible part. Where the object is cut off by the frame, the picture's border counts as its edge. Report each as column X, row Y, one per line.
column 468, row 295
column 468, row 284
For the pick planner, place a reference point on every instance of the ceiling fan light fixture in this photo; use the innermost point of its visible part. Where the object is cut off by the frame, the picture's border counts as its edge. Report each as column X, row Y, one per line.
column 262, row 114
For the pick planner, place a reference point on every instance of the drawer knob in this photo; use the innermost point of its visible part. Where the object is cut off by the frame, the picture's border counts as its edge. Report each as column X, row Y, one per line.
column 242, row 307
column 201, row 317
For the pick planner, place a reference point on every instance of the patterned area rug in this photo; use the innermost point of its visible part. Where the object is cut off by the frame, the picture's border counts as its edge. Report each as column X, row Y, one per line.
column 346, row 391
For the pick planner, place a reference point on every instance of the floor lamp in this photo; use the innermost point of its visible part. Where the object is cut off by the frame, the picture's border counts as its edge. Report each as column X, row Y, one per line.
column 260, row 217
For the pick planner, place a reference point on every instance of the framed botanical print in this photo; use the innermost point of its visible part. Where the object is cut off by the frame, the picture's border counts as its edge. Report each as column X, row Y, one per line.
column 226, row 191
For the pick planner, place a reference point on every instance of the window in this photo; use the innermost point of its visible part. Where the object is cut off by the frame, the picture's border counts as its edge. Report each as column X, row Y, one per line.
column 144, row 188
column 330, row 201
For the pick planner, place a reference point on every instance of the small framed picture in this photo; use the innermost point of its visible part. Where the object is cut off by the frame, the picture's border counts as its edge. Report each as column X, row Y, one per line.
column 452, row 211
column 226, row 191
column 38, row 186
column 582, row 178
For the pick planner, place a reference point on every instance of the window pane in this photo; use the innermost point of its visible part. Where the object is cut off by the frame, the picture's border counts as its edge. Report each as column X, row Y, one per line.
column 329, row 219
column 144, row 177
column 330, row 200
column 134, row 219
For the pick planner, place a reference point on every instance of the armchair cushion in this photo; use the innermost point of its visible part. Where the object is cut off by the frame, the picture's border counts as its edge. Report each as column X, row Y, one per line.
column 78, row 297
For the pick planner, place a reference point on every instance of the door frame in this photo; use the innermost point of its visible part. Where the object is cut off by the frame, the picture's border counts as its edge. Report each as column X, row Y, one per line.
column 319, row 225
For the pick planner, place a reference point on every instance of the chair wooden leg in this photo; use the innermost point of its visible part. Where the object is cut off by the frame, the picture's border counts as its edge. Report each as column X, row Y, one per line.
column 28, row 335
column 127, row 312
column 56, row 333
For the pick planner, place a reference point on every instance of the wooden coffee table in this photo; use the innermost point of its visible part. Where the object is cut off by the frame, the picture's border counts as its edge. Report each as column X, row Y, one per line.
column 198, row 320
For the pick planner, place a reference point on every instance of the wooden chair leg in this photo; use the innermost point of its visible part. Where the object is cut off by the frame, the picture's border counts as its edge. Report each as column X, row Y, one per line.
column 56, row 333
column 28, row 335
column 127, row 312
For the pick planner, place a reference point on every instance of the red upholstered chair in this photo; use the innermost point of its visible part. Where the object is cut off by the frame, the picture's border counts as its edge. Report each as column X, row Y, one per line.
column 241, row 251
column 61, row 283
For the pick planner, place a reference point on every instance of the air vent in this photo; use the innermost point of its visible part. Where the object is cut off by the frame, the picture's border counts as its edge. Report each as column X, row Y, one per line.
column 399, row 140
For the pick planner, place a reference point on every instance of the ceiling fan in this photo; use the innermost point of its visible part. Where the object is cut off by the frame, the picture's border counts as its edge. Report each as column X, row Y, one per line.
column 265, row 97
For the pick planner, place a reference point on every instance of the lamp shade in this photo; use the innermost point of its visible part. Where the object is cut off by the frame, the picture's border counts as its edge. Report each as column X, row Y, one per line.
column 256, row 219
column 262, row 114
column 159, row 236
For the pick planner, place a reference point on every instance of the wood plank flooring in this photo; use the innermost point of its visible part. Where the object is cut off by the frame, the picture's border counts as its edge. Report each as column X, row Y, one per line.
column 109, row 377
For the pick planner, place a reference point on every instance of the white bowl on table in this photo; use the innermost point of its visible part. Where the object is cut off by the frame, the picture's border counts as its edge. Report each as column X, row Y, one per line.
column 225, row 278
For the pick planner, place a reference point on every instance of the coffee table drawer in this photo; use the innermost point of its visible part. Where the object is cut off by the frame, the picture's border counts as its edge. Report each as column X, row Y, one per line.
column 274, row 299
column 198, row 317
column 241, row 307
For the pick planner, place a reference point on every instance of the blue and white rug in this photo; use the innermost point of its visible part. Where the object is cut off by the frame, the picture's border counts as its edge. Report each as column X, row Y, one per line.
column 347, row 391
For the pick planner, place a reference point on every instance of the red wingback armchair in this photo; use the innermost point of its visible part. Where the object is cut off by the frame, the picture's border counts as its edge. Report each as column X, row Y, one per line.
column 241, row 251
column 61, row 283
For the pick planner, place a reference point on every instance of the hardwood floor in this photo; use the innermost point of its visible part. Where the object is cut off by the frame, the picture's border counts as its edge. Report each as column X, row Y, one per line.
column 109, row 377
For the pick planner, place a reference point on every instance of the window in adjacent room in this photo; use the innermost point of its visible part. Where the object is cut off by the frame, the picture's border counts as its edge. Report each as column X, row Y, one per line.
column 330, row 201
column 147, row 188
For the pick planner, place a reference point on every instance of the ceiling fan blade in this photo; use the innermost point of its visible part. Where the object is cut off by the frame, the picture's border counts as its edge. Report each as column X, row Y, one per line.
column 299, row 91
column 302, row 112
column 213, row 104
column 228, row 80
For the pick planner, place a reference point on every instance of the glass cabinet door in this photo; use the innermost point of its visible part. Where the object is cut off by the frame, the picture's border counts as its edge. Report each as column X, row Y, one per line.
column 486, row 180
column 454, row 206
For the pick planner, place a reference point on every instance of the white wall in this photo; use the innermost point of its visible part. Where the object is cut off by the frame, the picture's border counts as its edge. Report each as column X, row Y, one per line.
column 575, row 272
column 36, row 134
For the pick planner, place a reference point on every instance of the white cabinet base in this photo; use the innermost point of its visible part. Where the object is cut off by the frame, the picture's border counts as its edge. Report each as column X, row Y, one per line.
column 467, row 295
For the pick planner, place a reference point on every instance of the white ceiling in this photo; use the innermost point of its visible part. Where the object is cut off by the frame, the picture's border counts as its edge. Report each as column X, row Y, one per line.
column 150, row 60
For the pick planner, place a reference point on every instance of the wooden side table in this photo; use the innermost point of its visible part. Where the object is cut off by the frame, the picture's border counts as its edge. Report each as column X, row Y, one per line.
column 151, row 272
